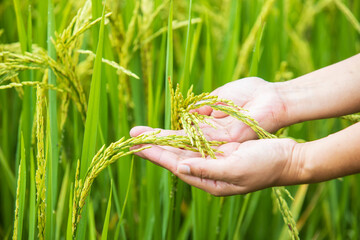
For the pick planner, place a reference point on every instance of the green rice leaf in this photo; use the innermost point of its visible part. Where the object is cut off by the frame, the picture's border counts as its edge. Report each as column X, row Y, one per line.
column 8, row 174
column 105, row 230
column 69, row 220
column 92, row 117
column 20, row 26
column 256, row 53
column 169, row 68
column 53, row 156
column 185, row 80
column 20, row 194
column 32, row 200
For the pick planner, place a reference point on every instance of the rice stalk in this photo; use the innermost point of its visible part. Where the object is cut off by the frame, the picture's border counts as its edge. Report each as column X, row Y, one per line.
column 20, row 194
column 33, row 84
column 15, row 63
column 181, row 117
column 288, row 218
column 41, row 163
column 106, row 156
column 147, row 20
column 352, row 117
column 16, row 221
column 110, row 63
column 92, row 122
column 15, row 79
column 66, row 44
column 176, row 25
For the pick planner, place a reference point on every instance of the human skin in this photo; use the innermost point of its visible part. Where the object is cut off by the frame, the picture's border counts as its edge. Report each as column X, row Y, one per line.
column 246, row 165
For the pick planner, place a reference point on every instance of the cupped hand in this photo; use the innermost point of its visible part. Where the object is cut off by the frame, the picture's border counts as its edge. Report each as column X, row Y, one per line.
column 238, row 169
column 260, row 98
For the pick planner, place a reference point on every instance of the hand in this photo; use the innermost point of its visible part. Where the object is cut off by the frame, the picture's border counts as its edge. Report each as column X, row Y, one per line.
column 239, row 169
column 259, row 97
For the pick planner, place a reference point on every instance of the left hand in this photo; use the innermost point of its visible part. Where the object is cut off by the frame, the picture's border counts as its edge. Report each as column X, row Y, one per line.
column 239, row 168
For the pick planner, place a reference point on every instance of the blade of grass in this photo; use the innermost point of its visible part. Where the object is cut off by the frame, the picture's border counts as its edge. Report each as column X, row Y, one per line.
column 92, row 116
column 20, row 26
column 348, row 14
column 169, row 68
column 195, row 45
column 49, row 214
column 7, row 173
column 69, row 220
column 216, row 204
column 32, row 199
column 91, row 235
column 127, row 191
column 27, row 108
column 251, row 209
column 185, row 80
column 207, row 82
column 241, row 216
column 169, row 204
column 155, row 120
column 231, row 41
column 250, row 40
column 20, row 194
column 105, row 230
column 53, row 156
column 61, row 202
column 256, row 53
column 92, row 120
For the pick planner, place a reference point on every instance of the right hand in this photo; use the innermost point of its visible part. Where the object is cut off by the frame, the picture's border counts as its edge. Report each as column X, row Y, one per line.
column 260, row 98
column 238, row 169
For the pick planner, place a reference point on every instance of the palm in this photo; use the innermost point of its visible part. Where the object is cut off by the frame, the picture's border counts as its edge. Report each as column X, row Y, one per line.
column 257, row 96
column 238, row 169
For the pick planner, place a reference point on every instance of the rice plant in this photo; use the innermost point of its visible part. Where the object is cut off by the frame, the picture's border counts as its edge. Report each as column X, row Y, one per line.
column 75, row 76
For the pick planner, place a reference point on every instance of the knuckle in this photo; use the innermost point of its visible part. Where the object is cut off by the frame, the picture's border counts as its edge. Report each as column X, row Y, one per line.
column 202, row 172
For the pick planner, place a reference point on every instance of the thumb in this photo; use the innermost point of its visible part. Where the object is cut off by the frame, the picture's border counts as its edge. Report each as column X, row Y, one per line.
column 213, row 169
column 218, row 114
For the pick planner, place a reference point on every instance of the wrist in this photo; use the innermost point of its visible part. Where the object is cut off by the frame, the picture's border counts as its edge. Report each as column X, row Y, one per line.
column 290, row 98
column 301, row 163
column 294, row 170
column 334, row 156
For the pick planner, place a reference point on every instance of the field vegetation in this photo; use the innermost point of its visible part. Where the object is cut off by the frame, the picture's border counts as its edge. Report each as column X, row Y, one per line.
column 76, row 76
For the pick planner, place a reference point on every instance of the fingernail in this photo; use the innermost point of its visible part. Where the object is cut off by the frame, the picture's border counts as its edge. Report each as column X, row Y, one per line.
column 184, row 169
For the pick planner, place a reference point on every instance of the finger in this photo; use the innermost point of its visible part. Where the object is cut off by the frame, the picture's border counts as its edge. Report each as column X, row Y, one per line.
column 204, row 110
column 214, row 169
column 218, row 114
column 160, row 156
column 136, row 131
column 181, row 152
column 214, row 187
